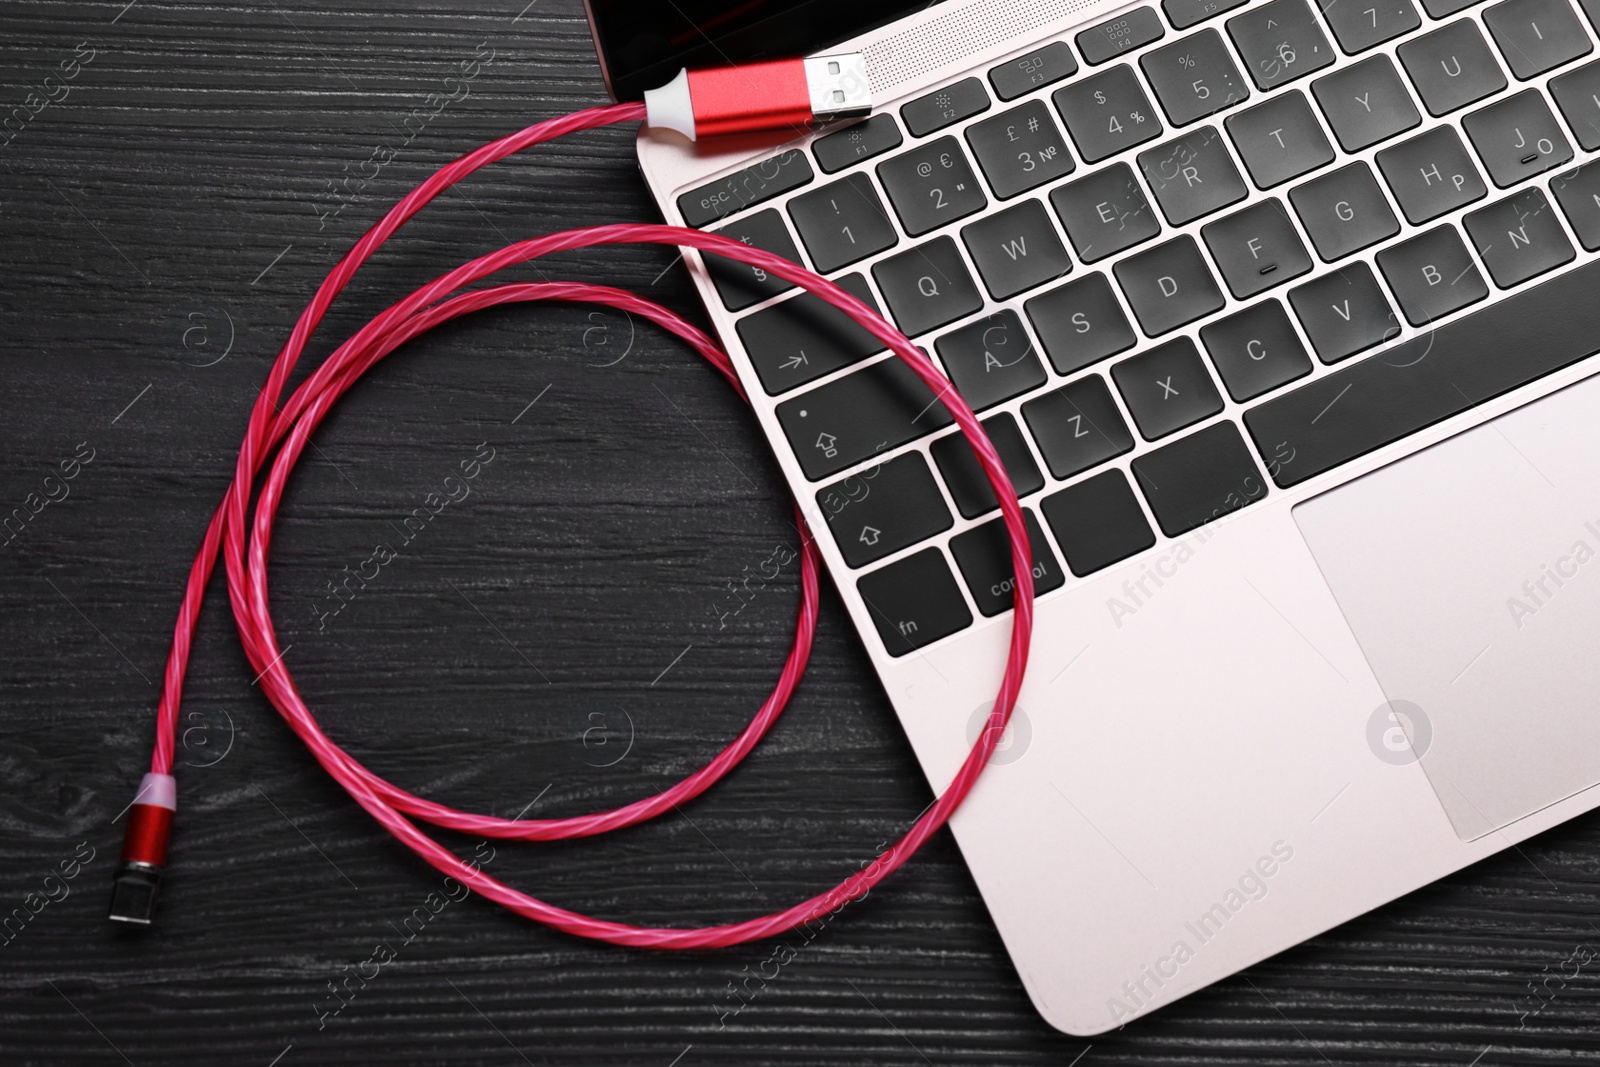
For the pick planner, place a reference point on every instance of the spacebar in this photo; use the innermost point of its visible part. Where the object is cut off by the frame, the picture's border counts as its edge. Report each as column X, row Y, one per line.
column 1419, row 382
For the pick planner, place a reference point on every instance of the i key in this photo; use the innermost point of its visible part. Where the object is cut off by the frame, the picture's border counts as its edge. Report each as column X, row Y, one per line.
column 1536, row 35
column 1578, row 96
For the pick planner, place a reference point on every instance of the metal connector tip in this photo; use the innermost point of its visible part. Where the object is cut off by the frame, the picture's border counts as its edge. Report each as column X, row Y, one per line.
column 133, row 893
column 839, row 85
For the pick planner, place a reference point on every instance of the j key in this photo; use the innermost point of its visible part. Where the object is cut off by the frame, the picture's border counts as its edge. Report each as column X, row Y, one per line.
column 991, row 360
column 880, row 511
column 1431, row 174
column 1105, row 212
column 1020, row 149
column 1077, row 426
column 1280, row 139
column 1256, row 248
column 1016, row 249
column 931, row 185
column 1256, row 350
column 1344, row 211
column 1185, row 13
column 1097, row 522
column 1080, row 323
column 1359, row 27
column 914, row 602
column 1199, row 479
column 1452, row 67
column 853, row 418
column 968, row 485
column 1168, row 286
column 1366, row 103
column 842, row 222
column 1042, row 66
column 1536, row 35
column 1344, row 312
column 806, row 337
column 1578, row 96
column 1107, row 41
column 942, row 107
column 927, row 287
column 1339, row 416
column 1578, row 192
column 864, row 140
column 1106, row 113
column 1192, row 176
column 1167, row 388
column 745, row 188
column 1517, row 138
column 1519, row 238
column 739, row 284
column 984, row 556
column 1432, row 275
column 1280, row 41
column 1194, row 77
column 1444, row 8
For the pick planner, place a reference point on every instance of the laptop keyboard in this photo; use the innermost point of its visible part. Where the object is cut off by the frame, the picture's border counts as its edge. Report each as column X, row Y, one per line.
column 1157, row 259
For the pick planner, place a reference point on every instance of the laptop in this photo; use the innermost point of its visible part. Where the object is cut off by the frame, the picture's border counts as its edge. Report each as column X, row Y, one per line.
column 1281, row 315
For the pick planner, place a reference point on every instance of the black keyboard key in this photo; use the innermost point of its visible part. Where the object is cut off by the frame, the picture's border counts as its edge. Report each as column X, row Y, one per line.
column 1042, row 66
column 1169, row 286
column 1344, row 211
column 969, row 486
column 1256, row 248
column 1185, row 13
column 1167, row 388
column 1192, row 176
column 1199, row 479
column 746, row 188
column 1578, row 192
column 1280, row 41
column 914, row 602
column 878, row 512
column 806, row 337
column 1256, row 350
column 1077, row 426
column 864, row 140
column 1080, row 323
column 1432, row 275
column 1536, row 35
column 842, row 222
column 1366, row 103
column 1016, row 249
column 1592, row 9
column 945, row 106
column 1519, row 238
column 1280, row 139
column 1431, row 174
column 984, row 556
column 1020, row 149
column 1194, row 77
column 1517, row 138
column 1097, row 522
column 1345, row 312
column 1106, row 113
column 1105, row 212
column 1360, row 27
column 855, row 417
column 1452, row 67
column 927, row 287
column 1134, row 29
column 1444, row 8
column 1578, row 96
column 1348, row 413
column 991, row 360
column 931, row 185
column 739, row 284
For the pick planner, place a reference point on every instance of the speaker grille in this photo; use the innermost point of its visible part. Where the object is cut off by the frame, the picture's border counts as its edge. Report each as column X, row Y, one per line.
column 973, row 27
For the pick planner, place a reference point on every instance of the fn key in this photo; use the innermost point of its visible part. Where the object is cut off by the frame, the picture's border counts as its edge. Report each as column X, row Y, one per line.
column 914, row 602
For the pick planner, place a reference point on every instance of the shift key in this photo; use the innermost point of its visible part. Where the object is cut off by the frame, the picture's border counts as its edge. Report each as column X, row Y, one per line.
column 853, row 418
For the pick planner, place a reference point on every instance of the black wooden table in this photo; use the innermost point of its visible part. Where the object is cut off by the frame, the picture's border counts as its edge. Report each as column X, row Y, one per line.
column 174, row 181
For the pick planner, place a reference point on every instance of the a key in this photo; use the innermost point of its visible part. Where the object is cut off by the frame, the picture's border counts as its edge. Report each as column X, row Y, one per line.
column 1366, row 103
column 1256, row 248
column 1040, row 67
column 1280, row 41
column 914, row 602
column 1577, row 94
column 805, row 337
column 739, row 284
column 1097, row 522
column 1536, row 35
column 931, row 186
column 1106, row 113
column 1360, row 26
column 1344, row 313
column 1185, row 13
column 1256, row 350
column 1431, row 174
column 1199, row 479
column 1578, row 192
column 1105, row 212
column 1020, row 149
column 1192, row 176
column 1517, row 138
column 745, row 188
column 853, row 418
column 1107, row 41
column 1194, row 77
column 1452, row 67
column 1080, row 323
column 1280, row 139
column 1016, row 249
column 1344, row 211
column 1518, row 238
column 968, row 485
column 1432, row 275
column 983, row 555
column 1168, row 286
column 842, row 222
column 883, row 509
column 991, row 360
column 864, row 140
column 1167, row 388
column 927, row 287
column 1077, row 426
column 946, row 106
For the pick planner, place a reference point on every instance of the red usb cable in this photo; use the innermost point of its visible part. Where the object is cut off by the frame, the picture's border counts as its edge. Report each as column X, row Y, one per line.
column 277, row 437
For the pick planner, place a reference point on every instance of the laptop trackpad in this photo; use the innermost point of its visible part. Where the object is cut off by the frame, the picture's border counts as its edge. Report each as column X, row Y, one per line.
column 1470, row 575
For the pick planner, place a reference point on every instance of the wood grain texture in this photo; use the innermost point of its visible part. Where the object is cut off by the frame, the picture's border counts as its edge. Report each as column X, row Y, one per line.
column 161, row 225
